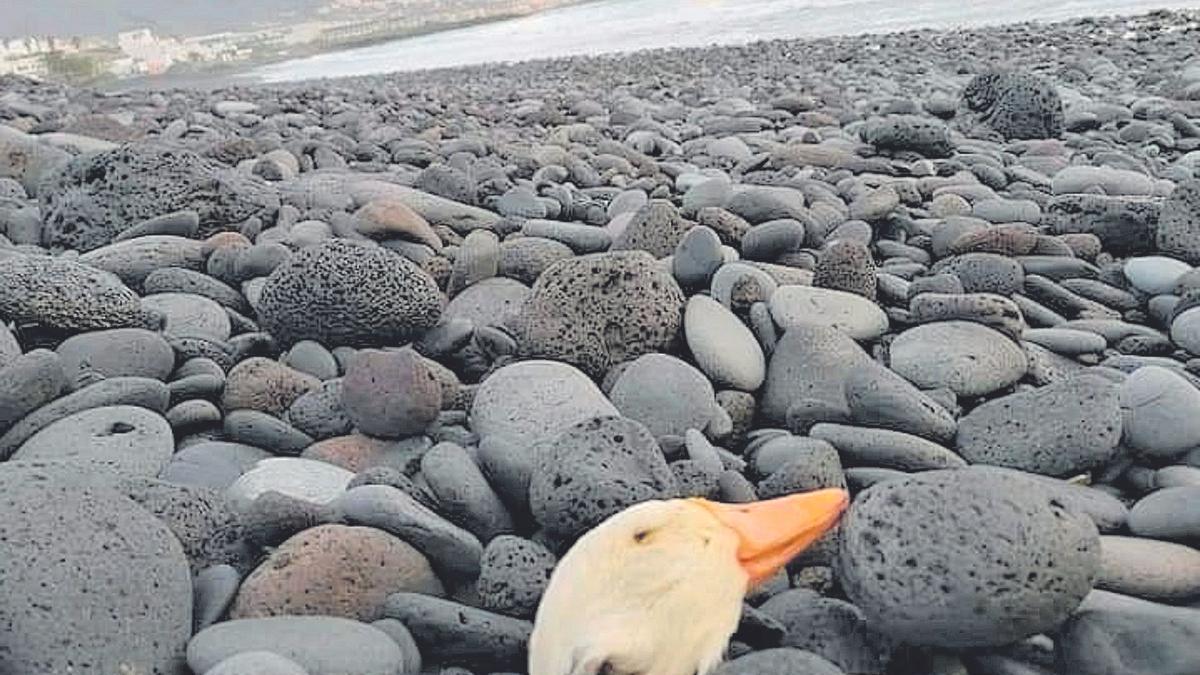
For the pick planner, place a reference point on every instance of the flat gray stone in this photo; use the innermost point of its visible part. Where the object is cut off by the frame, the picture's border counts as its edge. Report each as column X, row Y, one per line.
column 722, row 345
column 1173, row 513
column 852, row 314
column 531, row 401
column 1161, row 413
column 125, row 440
column 322, row 645
column 1062, row 429
column 257, row 663
column 189, row 315
column 810, row 362
column 28, row 382
column 666, row 394
column 887, row 449
column 92, row 582
column 307, row 480
column 1145, row 568
column 1113, row 633
column 120, row 352
column 461, row 634
column 965, row 357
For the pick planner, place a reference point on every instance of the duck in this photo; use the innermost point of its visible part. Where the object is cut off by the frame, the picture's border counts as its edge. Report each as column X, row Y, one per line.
column 658, row 588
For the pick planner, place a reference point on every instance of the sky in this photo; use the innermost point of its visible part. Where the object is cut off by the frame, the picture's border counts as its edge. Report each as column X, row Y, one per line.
column 107, row 17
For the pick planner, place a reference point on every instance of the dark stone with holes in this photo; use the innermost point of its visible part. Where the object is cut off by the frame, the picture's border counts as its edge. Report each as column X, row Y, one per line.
column 970, row 557
column 598, row 310
column 1015, row 105
column 832, row 629
column 98, row 195
column 1179, row 224
column 513, row 575
column 319, row 413
column 67, row 296
column 201, row 518
column 1062, row 429
column 593, row 470
column 457, row 633
column 344, row 293
column 656, row 228
column 847, row 266
column 925, row 135
column 985, row 273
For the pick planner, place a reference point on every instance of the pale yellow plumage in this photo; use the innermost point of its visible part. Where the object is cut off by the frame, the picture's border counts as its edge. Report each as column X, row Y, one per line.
column 655, row 590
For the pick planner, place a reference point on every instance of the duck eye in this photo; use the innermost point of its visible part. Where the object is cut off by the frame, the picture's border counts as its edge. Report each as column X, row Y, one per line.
column 641, row 536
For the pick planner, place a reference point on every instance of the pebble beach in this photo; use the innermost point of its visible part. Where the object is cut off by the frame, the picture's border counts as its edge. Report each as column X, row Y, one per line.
column 322, row 378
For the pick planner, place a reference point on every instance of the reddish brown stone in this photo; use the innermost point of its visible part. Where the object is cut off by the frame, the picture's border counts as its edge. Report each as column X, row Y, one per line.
column 265, row 385
column 391, row 394
column 355, row 452
column 335, row 570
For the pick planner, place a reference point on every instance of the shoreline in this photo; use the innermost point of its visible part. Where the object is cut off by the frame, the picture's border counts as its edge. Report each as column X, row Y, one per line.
column 342, row 369
column 239, row 77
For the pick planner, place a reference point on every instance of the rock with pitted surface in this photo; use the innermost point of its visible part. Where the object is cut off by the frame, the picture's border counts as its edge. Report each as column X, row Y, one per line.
column 91, row 580
column 1062, row 429
column 1000, row 558
column 265, row 385
column 514, row 574
column 96, row 196
column 1179, row 223
column 1015, row 105
column 595, row 311
column 925, row 135
column 655, row 228
column 344, row 293
column 593, row 470
column 65, row 295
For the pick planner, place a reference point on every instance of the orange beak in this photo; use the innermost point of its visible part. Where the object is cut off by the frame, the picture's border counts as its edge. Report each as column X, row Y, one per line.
column 773, row 532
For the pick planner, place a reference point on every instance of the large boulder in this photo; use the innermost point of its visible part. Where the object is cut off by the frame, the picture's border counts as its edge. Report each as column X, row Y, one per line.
column 345, row 293
column 91, row 582
column 97, row 196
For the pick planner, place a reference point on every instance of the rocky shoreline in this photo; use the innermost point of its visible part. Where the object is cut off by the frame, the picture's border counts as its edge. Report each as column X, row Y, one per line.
column 321, row 379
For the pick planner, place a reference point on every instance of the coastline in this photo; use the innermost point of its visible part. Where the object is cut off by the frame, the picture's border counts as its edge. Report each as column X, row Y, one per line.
column 339, row 370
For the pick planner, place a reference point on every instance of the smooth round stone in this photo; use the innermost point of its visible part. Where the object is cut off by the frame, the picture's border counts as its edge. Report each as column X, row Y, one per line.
column 265, row 431
column 965, row 357
column 321, row 645
column 1173, row 513
column 453, row 552
column 772, row 239
column 391, row 394
column 320, row 413
column 579, row 237
column 531, row 401
column 1155, row 275
column 1065, row 341
column 877, row 397
column 125, row 440
column 462, row 492
column 883, row 448
column 306, row 480
column 28, row 382
column 134, row 260
column 334, row 570
column 308, row 356
column 257, row 663
column 189, row 315
column 1114, row 633
column 1185, row 330
column 811, row 363
column 830, row 628
column 697, row 257
column 212, row 464
column 213, row 590
column 1114, row 182
column 89, row 577
column 999, row 558
column 1176, row 476
column 461, row 634
column 1145, row 568
column 1161, row 412
column 722, row 345
column 1062, row 429
column 490, row 302
column 121, row 352
column 852, row 314
column 402, row 637
column 666, row 394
